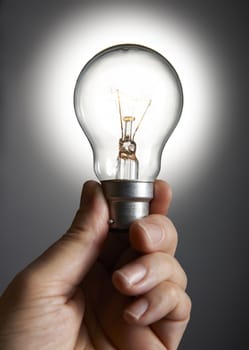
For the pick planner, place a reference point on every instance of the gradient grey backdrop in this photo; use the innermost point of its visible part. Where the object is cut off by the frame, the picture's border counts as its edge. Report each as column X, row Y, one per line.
column 212, row 218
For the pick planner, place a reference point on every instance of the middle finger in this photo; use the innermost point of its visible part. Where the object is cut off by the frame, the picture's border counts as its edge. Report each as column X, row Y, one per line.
column 144, row 273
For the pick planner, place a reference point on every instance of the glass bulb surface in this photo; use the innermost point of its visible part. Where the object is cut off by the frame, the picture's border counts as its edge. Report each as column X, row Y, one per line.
column 128, row 99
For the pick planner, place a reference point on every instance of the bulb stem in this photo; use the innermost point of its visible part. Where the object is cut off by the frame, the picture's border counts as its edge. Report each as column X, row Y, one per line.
column 127, row 200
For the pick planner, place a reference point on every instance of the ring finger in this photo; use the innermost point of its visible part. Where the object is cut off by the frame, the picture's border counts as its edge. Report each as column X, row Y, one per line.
column 165, row 301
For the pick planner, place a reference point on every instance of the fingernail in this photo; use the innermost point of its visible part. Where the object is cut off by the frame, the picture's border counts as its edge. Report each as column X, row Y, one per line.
column 133, row 274
column 154, row 232
column 137, row 310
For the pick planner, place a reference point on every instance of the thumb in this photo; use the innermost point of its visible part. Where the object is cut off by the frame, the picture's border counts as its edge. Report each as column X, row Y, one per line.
column 66, row 262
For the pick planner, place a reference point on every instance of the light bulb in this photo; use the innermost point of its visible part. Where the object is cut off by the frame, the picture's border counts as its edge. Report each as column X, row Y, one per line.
column 128, row 99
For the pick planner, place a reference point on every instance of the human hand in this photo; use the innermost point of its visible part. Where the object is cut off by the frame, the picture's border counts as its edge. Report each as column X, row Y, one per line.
column 97, row 291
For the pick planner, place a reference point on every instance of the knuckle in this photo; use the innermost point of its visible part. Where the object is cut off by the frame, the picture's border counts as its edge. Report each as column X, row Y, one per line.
column 181, row 275
column 173, row 291
column 187, row 308
column 182, row 301
column 185, row 280
column 170, row 231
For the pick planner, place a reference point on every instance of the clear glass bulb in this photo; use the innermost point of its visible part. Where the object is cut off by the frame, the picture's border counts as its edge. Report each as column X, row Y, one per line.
column 128, row 100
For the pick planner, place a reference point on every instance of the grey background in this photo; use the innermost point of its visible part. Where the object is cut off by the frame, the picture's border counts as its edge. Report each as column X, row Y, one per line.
column 211, row 217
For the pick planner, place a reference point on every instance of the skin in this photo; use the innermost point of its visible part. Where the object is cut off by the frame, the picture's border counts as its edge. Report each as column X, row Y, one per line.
column 98, row 290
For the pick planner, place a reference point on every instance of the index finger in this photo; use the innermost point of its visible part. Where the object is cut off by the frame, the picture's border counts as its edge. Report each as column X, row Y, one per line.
column 154, row 233
column 141, row 231
column 162, row 198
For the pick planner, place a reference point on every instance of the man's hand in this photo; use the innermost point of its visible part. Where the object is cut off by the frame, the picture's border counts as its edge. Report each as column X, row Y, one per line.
column 98, row 290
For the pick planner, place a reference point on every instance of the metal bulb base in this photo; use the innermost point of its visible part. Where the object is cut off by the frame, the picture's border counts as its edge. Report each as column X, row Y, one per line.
column 127, row 200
